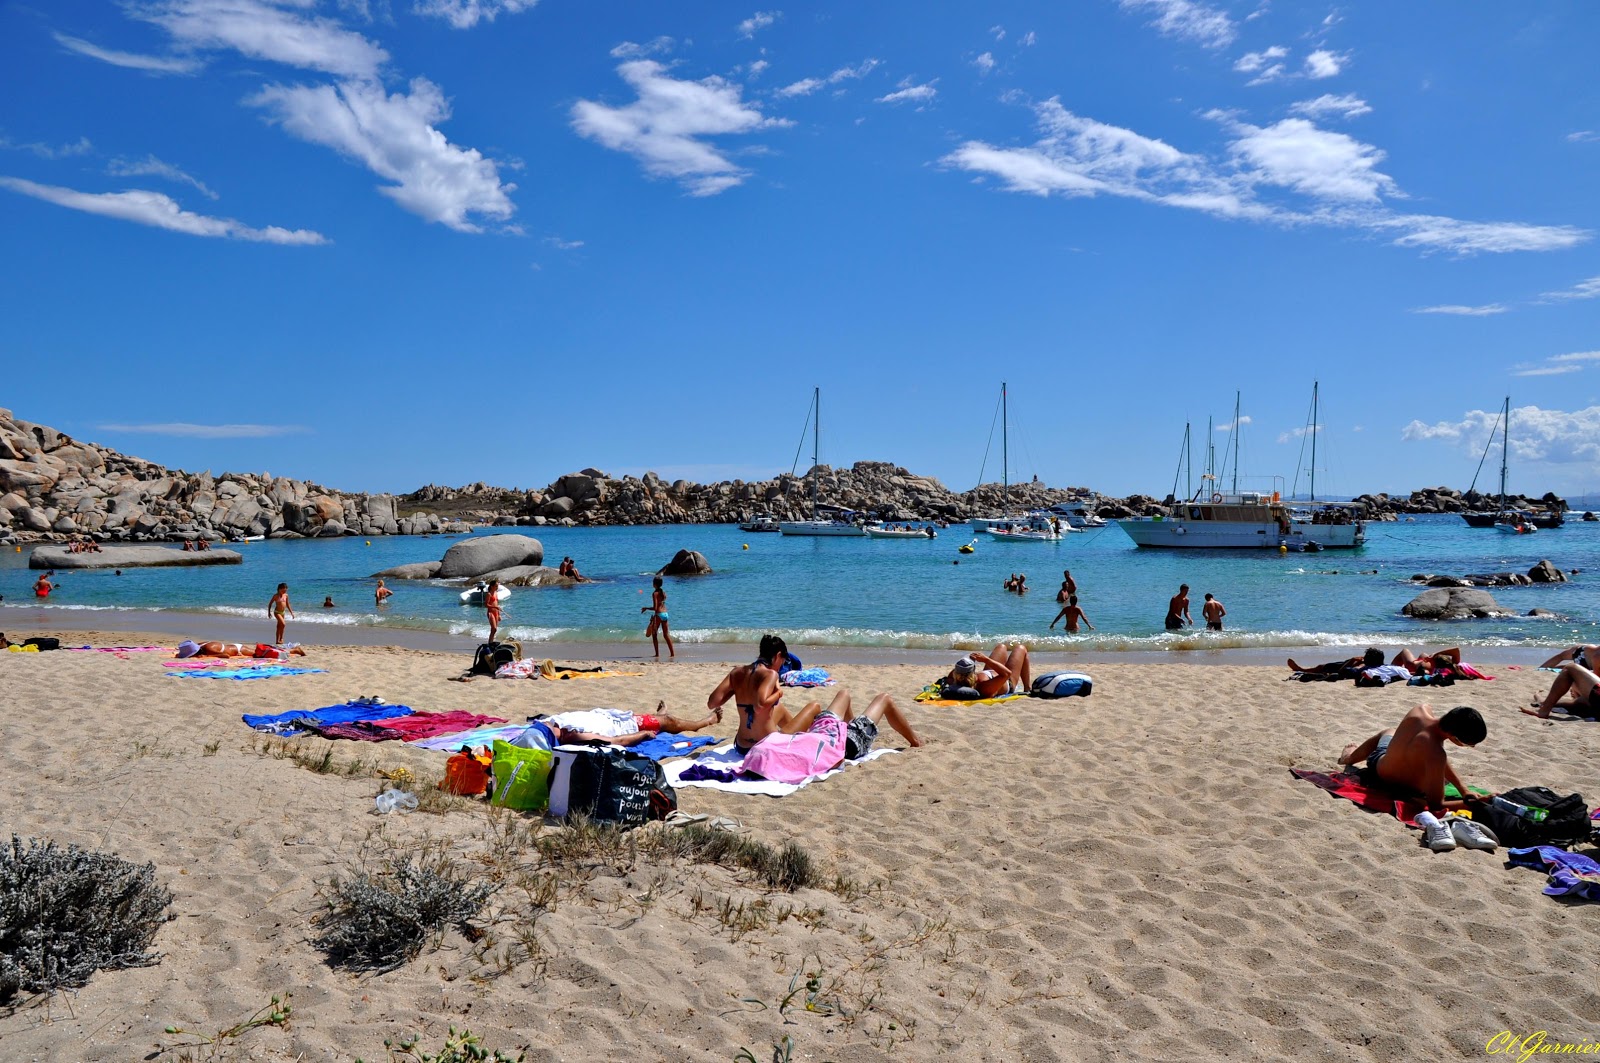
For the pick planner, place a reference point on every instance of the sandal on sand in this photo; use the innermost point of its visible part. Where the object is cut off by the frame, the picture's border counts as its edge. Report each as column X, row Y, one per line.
column 727, row 823
column 679, row 818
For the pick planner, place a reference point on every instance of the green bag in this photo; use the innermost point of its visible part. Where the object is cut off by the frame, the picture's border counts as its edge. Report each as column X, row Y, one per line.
column 521, row 777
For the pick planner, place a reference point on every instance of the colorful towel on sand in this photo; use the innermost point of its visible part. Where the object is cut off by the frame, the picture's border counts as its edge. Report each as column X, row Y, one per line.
column 360, row 731
column 807, row 677
column 482, row 737
column 528, row 668
column 119, row 649
column 1570, row 873
column 265, row 671
column 1348, row 785
column 421, row 725
column 930, row 696
column 287, row 723
column 665, row 746
column 722, row 769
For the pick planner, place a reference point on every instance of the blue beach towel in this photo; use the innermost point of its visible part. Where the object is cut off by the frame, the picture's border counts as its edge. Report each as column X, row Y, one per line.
column 663, row 746
column 288, row 723
column 266, row 671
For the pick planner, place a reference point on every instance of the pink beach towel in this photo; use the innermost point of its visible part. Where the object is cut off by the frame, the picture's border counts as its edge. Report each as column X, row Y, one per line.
column 795, row 758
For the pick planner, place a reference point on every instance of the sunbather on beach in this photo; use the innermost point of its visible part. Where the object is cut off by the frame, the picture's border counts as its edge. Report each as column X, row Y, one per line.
column 1581, row 683
column 1427, row 663
column 1588, row 656
column 611, row 725
column 861, row 731
column 260, row 650
column 1412, row 755
column 755, row 691
column 1346, row 669
column 1007, row 669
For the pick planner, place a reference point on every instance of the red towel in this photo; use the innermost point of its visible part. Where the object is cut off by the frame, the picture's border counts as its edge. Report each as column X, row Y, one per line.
column 431, row 724
column 1345, row 784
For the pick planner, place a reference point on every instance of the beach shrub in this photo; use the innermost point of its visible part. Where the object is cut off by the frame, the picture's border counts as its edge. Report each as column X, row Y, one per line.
column 787, row 867
column 66, row 913
column 379, row 922
column 461, row 1046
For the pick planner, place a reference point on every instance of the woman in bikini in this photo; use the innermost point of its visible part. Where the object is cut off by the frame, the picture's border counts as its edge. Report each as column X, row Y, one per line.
column 491, row 605
column 1006, row 667
column 279, row 607
column 658, row 625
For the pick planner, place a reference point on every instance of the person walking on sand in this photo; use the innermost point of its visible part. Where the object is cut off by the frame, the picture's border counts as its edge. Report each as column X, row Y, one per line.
column 491, row 606
column 1073, row 615
column 278, row 607
column 1213, row 612
column 42, row 586
column 659, row 627
column 1178, row 609
column 381, row 594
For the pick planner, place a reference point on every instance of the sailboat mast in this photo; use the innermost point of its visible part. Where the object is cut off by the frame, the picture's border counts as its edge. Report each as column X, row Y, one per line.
column 816, row 442
column 1505, row 446
column 1188, row 479
column 1236, row 443
column 1005, row 450
column 1315, row 431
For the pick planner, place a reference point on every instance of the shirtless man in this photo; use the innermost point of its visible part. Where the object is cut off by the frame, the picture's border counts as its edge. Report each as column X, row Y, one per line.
column 278, row 607
column 1412, row 755
column 1178, row 609
column 755, row 691
column 1213, row 612
column 1073, row 615
column 381, row 594
column 1069, row 586
column 1584, row 686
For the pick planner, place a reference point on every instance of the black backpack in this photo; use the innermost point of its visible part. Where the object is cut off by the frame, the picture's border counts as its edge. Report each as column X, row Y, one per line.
column 492, row 655
column 612, row 785
column 1566, row 824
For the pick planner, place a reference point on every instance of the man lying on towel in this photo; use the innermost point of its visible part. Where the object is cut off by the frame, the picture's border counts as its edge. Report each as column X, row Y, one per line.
column 261, row 651
column 616, row 727
column 1412, row 755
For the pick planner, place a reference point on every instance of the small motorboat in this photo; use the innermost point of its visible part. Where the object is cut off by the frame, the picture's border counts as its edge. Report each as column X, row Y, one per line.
column 475, row 594
column 1025, row 533
column 880, row 530
column 1519, row 527
column 762, row 523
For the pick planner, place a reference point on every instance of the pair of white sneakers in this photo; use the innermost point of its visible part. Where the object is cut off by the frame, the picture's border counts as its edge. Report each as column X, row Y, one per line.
column 1455, row 831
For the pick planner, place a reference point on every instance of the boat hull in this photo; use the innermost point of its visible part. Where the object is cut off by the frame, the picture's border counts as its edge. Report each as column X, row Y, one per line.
column 881, row 533
column 1239, row 535
column 821, row 528
column 1490, row 520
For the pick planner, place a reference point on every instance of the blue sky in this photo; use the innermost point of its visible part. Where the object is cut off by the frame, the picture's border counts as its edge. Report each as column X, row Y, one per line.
column 378, row 243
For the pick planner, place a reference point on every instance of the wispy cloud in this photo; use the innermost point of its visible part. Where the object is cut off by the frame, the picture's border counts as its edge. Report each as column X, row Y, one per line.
column 806, row 86
column 1229, row 426
column 1348, row 105
column 1300, row 433
column 208, row 431
column 394, row 136
column 150, row 166
column 998, row 32
column 1584, row 136
column 1555, row 436
column 1266, row 64
column 81, row 146
column 1547, row 370
column 658, row 46
column 667, row 127
column 152, row 64
column 1322, row 64
column 984, row 62
column 758, row 22
column 563, row 245
column 1457, row 309
column 155, row 209
column 756, row 68
column 909, row 92
column 1579, row 356
column 1589, row 289
column 464, row 14
column 263, row 30
column 1187, row 20
column 1560, row 364
column 1334, row 180
column 1028, row 40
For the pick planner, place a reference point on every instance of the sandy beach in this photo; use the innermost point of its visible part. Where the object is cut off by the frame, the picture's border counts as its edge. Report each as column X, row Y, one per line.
column 1135, row 875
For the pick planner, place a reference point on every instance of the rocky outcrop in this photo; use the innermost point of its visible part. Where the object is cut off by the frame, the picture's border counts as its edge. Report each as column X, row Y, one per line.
column 419, row 570
column 1545, row 572
column 53, row 487
column 686, row 563
column 1454, row 603
column 472, row 557
column 130, row 557
column 530, row 576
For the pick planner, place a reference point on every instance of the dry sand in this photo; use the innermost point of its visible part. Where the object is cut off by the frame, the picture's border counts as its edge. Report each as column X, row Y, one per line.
column 1130, row 876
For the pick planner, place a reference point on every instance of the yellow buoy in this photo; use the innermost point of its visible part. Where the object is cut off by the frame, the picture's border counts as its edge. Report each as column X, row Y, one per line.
column 1282, row 549
column 747, row 546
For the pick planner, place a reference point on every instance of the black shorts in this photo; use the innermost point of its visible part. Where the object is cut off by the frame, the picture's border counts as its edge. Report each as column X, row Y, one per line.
column 859, row 735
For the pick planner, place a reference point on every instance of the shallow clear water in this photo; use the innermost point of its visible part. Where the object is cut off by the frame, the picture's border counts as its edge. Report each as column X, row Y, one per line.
column 897, row 593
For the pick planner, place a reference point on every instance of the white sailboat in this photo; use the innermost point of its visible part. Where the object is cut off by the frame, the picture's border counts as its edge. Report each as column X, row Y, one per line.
column 1506, row 519
column 1032, row 526
column 840, row 525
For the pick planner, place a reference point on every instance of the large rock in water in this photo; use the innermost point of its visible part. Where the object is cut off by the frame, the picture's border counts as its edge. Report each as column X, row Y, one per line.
column 1545, row 572
column 1454, row 603
column 480, row 554
column 419, row 570
column 530, row 576
column 686, row 563
column 130, row 557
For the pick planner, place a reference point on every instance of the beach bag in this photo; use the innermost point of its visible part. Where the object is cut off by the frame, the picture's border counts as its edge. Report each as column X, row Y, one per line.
column 492, row 655
column 950, row 690
column 1566, row 823
column 1062, row 685
column 44, row 643
column 465, row 774
column 795, row 758
column 521, row 777
column 610, row 785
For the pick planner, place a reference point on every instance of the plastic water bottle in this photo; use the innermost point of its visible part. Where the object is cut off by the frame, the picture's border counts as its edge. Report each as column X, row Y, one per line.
column 1532, row 815
column 395, row 801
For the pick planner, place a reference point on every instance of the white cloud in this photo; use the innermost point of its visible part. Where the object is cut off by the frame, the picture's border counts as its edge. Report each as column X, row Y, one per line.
column 150, row 166
column 1553, row 436
column 1186, row 19
column 464, row 14
column 984, row 63
column 1231, row 425
column 1324, row 64
column 1560, row 364
column 1347, row 106
column 1584, row 136
column 1301, row 432
column 757, row 22
column 1462, row 311
column 911, row 93
column 394, row 137
column 1589, row 289
column 757, row 67
column 803, row 87
column 658, row 46
column 999, row 32
column 1578, row 356
column 1296, row 154
column 1335, row 176
column 664, row 128
column 1255, row 62
column 806, row 86
column 155, row 209
column 81, row 146
column 563, row 245
column 1028, row 40
column 1548, row 370
column 264, row 30
column 154, row 64
column 209, row 431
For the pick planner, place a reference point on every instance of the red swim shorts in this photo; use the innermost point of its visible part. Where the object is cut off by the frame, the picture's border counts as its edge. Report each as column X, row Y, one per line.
column 647, row 722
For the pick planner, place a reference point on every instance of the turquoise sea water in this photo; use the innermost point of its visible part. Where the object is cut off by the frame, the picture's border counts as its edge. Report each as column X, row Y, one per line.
column 886, row 593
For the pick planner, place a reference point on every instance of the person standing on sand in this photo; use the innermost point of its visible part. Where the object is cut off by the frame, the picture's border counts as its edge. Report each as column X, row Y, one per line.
column 491, row 606
column 278, row 607
column 1213, row 612
column 1073, row 615
column 381, row 594
column 1178, row 609
column 659, row 620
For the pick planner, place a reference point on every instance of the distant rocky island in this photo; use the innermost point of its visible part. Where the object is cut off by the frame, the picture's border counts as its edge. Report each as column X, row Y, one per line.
column 55, row 488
